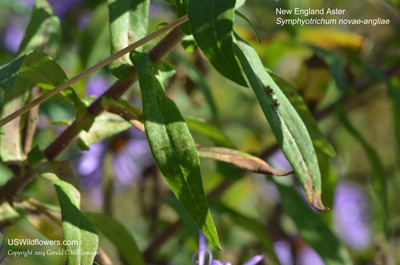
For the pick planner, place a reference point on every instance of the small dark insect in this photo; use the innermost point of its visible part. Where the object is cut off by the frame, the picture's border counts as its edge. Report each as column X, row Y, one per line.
column 276, row 104
column 269, row 90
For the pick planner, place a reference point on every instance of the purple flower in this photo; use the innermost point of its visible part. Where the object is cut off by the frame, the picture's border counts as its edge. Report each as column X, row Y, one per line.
column 155, row 10
column 84, row 20
column 307, row 256
column 130, row 153
column 62, row 8
column 279, row 160
column 283, row 251
column 13, row 34
column 3, row 232
column 351, row 215
column 202, row 253
column 96, row 85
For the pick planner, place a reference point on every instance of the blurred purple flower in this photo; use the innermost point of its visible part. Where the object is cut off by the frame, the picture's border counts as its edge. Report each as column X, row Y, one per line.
column 61, row 7
column 3, row 232
column 27, row 3
column 131, row 155
column 90, row 166
column 279, row 160
column 306, row 256
column 283, row 251
column 84, row 20
column 202, row 252
column 155, row 10
column 130, row 152
column 13, row 34
column 351, row 215
column 96, row 85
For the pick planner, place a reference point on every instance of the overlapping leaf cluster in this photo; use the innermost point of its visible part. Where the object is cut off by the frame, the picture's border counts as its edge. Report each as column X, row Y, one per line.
column 169, row 134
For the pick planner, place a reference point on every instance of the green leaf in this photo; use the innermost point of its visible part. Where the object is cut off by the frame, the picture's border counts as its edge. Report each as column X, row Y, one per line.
column 198, row 79
column 164, row 71
column 241, row 160
column 43, row 32
column 393, row 87
column 119, row 236
column 312, row 228
column 182, row 8
column 35, row 156
column 105, row 126
column 239, row 14
column 394, row 93
column 209, row 131
column 211, row 22
column 379, row 180
column 128, row 23
column 239, row 3
column 173, row 147
column 252, row 225
column 40, row 69
column 10, row 134
column 95, row 39
column 45, row 223
column 285, row 122
column 188, row 43
column 75, row 225
column 330, row 180
column 184, row 216
column 335, row 67
column 318, row 139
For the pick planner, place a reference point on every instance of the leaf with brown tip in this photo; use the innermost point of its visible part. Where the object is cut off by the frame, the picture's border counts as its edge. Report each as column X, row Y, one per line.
column 240, row 159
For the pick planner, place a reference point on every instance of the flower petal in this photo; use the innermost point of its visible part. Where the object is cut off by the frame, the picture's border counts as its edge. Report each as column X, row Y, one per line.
column 254, row 260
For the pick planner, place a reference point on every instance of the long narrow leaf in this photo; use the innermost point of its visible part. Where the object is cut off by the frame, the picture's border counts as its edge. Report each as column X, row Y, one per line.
column 119, row 236
column 105, row 126
column 10, row 134
column 40, row 69
column 182, row 7
column 128, row 23
column 43, row 32
column 210, row 132
column 335, row 67
column 316, row 135
column 211, row 22
column 252, row 225
column 241, row 160
column 75, row 225
column 313, row 229
column 198, row 79
column 379, row 175
column 285, row 122
column 173, row 147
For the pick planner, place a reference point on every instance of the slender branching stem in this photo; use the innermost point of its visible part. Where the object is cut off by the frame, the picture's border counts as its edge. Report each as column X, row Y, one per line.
column 91, row 70
column 16, row 183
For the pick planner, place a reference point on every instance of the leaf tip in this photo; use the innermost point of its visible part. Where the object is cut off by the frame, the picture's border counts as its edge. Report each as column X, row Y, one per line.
column 315, row 200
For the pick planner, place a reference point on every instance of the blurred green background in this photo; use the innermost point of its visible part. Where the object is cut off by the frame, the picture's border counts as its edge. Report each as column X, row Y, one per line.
column 325, row 63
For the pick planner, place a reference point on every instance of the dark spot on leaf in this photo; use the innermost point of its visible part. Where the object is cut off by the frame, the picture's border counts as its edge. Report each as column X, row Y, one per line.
column 276, row 104
column 269, row 90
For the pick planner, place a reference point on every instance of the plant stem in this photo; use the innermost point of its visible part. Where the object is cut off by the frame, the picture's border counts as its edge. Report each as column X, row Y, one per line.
column 91, row 70
column 31, row 122
column 115, row 92
column 174, row 228
column 16, row 183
